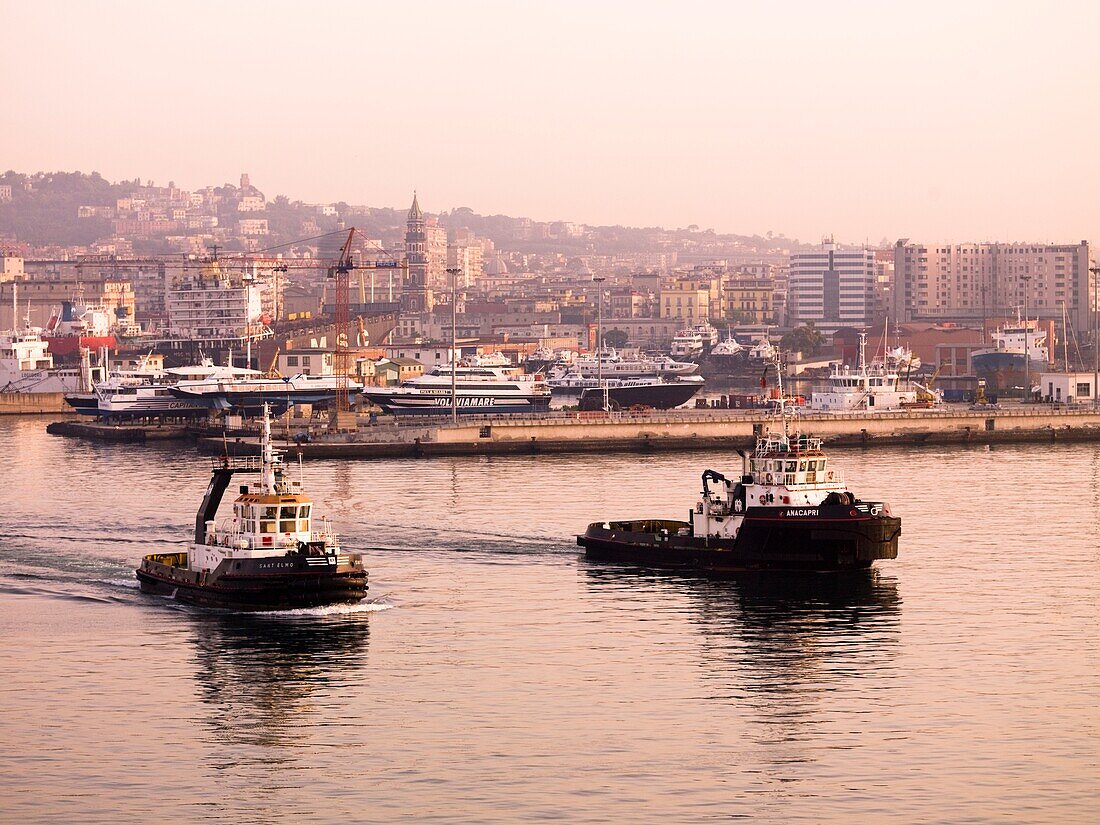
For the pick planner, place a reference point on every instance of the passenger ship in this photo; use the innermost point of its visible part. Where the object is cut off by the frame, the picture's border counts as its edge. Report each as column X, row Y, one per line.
column 478, row 391
column 788, row 510
column 269, row 556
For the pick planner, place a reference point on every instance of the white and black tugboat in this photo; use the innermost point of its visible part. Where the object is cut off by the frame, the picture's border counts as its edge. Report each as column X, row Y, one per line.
column 268, row 556
column 788, row 510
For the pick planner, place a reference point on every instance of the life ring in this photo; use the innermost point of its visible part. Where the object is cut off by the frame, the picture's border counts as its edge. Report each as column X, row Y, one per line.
column 768, row 478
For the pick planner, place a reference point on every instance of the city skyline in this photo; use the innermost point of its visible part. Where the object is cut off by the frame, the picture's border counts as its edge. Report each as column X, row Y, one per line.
column 969, row 123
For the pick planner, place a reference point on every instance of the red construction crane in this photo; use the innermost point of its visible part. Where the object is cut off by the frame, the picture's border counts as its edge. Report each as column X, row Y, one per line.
column 341, row 365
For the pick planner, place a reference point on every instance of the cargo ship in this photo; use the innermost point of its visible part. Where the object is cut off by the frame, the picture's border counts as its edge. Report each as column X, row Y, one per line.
column 1004, row 366
column 271, row 555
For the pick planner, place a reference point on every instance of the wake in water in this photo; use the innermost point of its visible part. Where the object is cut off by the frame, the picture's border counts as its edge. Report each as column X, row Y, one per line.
column 331, row 610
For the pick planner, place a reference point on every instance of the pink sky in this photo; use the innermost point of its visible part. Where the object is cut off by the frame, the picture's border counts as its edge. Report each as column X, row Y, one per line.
column 946, row 121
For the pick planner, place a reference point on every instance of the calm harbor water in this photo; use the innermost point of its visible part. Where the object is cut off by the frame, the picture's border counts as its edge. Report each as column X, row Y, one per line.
column 497, row 677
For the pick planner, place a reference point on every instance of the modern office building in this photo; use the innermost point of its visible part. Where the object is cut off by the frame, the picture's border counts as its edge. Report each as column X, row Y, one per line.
column 833, row 287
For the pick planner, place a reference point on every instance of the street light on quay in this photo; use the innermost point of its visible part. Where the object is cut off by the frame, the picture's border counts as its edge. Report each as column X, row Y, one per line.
column 1095, row 270
column 1027, row 346
column 454, row 273
column 598, row 281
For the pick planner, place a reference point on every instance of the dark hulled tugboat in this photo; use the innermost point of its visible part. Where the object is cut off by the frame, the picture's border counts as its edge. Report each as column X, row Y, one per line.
column 268, row 556
column 788, row 510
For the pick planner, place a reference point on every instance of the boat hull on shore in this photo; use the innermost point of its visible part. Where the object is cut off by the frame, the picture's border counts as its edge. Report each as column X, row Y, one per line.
column 281, row 583
column 818, row 539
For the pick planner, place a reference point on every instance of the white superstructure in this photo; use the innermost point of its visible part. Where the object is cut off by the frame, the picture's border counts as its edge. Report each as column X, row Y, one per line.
column 869, row 387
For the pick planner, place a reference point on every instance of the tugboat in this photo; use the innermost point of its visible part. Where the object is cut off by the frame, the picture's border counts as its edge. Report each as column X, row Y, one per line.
column 268, row 556
column 788, row 511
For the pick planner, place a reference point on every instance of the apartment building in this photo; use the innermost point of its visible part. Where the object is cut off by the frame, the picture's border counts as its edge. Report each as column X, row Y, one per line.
column 971, row 281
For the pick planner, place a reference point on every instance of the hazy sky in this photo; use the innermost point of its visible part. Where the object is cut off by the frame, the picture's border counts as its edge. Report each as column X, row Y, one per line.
column 944, row 121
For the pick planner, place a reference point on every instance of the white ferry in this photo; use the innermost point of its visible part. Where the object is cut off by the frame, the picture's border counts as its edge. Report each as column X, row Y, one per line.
column 478, row 391
column 270, row 555
column 148, row 393
column 251, row 392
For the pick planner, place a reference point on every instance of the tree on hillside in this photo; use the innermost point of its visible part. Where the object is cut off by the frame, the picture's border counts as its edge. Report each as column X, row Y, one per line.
column 805, row 339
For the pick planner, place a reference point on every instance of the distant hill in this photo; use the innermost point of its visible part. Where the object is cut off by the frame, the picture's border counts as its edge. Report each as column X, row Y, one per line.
column 44, row 210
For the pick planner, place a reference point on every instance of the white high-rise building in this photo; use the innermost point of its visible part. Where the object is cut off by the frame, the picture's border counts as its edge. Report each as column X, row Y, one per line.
column 834, row 287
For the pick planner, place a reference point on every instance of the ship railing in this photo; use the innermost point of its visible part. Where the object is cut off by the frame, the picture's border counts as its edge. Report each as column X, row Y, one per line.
column 238, row 463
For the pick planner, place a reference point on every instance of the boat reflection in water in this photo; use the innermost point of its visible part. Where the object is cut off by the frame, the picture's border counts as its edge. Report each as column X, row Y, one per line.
column 267, row 678
column 780, row 643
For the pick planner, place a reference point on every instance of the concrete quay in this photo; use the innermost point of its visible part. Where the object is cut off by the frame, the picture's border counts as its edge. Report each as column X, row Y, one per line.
column 119, row 433
column 32, row 403
column 683, row 430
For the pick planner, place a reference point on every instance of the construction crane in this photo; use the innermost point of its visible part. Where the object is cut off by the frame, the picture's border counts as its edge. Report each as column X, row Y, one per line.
column 339, row 272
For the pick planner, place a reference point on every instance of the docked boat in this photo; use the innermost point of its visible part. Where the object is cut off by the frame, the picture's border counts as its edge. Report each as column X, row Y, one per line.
column 250, row 393
column 624, row 393
column 76, row 326
column 609, row 363
column 477, row 391
column 871, row 387
column 1005, row 365
column 693, row 342
column 147, row 393
column 788, row 509
column 730, row 358
column 270, row 555
column 27, row 367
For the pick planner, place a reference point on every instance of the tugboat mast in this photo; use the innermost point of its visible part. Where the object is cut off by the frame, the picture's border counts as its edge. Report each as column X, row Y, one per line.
column 268, row 479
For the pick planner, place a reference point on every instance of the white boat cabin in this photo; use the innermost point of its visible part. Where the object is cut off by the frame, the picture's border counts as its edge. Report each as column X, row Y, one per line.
column 783, row 471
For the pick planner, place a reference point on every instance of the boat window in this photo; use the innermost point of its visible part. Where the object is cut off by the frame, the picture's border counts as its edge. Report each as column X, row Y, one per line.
column 303, row 525
column 289, row 512
column 287, row 526
column 802, row 466
column 267, row 526
column 813, row 466
column 271, row 512
column 792, row 466
column 305, row 511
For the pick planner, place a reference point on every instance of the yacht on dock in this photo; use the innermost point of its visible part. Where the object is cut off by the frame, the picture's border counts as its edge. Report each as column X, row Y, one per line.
column 611, row 364
column 477, row 391
column 270, row 555
column 788, row 510
column 693, row 342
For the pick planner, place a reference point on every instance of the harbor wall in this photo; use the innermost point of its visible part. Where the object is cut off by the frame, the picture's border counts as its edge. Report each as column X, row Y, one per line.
column 739, row 428
column 32, row 403
column 685, row 430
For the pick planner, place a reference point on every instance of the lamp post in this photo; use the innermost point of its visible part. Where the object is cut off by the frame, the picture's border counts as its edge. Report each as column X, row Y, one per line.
column 453, row 272
column 1095, row 270
column 598, row 281
column 1027, row 346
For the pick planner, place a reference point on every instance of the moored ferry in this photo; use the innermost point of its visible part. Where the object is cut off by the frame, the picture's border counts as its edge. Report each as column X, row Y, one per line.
column 270, row 555
column 477, row 391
